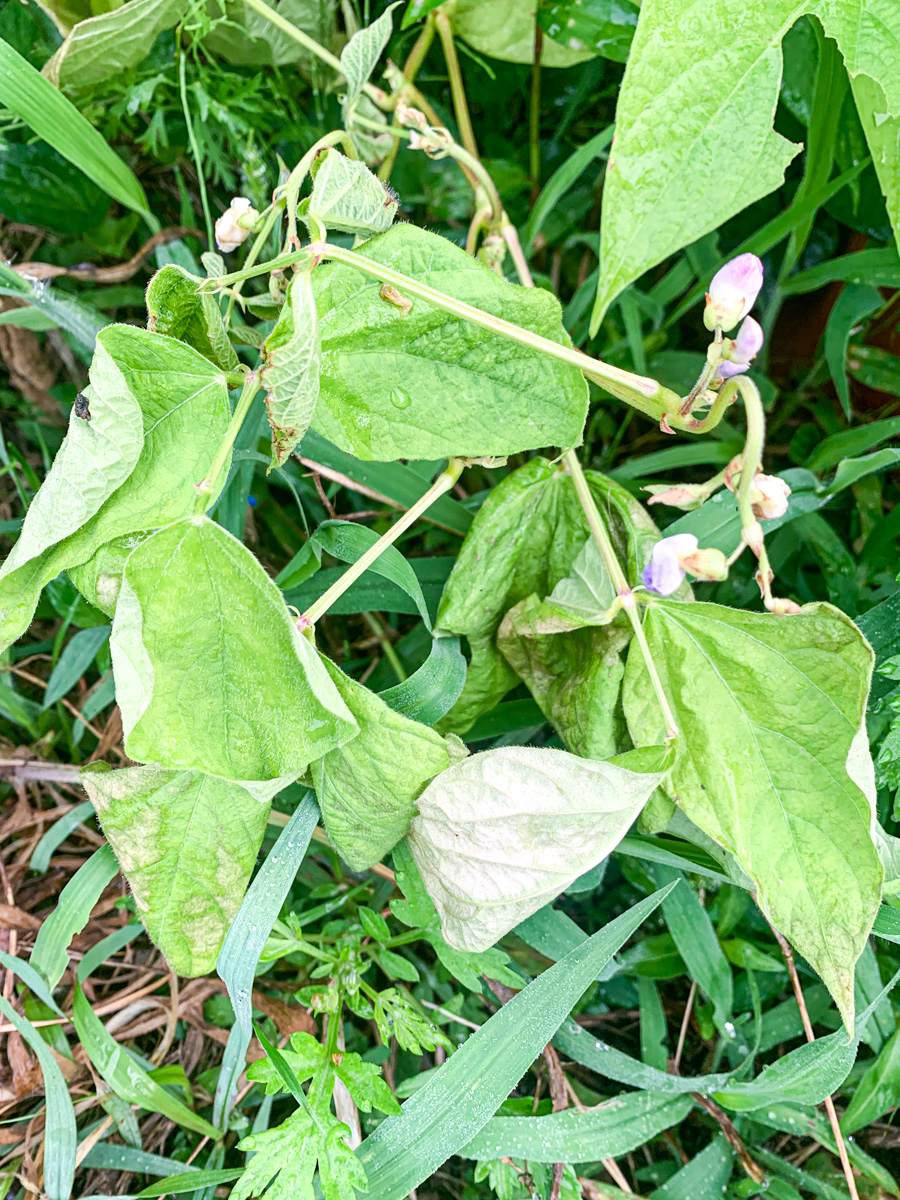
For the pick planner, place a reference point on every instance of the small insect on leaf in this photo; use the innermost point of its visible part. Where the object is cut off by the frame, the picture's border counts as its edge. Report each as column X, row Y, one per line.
column 82, row 407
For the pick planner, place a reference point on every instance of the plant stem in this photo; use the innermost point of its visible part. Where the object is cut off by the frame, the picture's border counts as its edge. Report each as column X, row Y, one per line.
column 788, row 954
column 195, row 149
column 442, row 484
column 246, row 398
column 620, row 583
column 457, row 87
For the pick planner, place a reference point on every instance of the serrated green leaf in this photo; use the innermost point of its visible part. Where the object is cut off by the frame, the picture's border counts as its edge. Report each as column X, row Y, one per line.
column 426, row 384
column 236, row 691
column 348, row 197
column 773, row 690
column 101, row 47
column 292, row 356
column 175, row 308
column 502, row 833
column 187, row 844
column 181, row 401
column 693, row 146
column 292, row 1151
column 367, row 788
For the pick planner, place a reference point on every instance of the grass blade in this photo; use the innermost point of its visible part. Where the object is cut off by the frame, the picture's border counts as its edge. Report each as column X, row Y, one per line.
column 71, row 914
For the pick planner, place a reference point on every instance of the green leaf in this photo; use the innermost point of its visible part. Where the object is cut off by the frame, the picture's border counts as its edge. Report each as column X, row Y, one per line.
column 248, row 38
column 175, row 308
column 60, row 1134
column 182, row 402
column 304, row 1058
column 78, row 655
column 425, row 384
column 562, row 180
column 292, row 1151
column 367, row 788
column 292, row 356
column 125, row 1075
column 502, row 833
column 187, row 844
column 177, row 1185
column 348, row 197
column 856, row 302
column 459, row 1099
column 100, row 578
column 102, row 47
column 706, row 1176
column 849, row 442
column 431, row 691
column 235, row 691
column 698, row 945
column 852, row 469
column 867, row 37
column 882, row 132
column 362, row 1079
column 49, row 956
column 364, row 1083
column 693, row 146
column 362, row 52
column 246, row 938
column 607, row 1131
column 603, row 27
column 779, row 692
column 504, row 29
column 25, row 92
column 878, row 1091
column 80, row 320
column 417, row 910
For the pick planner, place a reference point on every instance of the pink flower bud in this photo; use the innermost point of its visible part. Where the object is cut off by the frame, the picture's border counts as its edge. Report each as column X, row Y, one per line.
column 743, row 349
column 234, row 225
column 782, row 607
column 665, row 573
column 733, row 292
column 685, row 496
column 706, row 565
column 769, row 497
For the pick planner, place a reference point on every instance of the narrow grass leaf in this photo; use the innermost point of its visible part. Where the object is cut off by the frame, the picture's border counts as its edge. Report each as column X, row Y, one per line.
column 458, row 1101
column 429, row 693
column 703, row 1178
column 57, row 834
column 71, row 914
column 107, row 1157
column 78, row 655
column 60, row 1137
column 31, row 979
column 177, row 1185
column 106, row 948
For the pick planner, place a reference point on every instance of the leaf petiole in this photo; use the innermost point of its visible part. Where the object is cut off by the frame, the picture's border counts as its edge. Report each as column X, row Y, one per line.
column 246, row 398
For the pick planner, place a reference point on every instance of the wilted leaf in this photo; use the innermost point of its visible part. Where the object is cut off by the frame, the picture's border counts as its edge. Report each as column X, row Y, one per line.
column 248, row 38
column 187, row 844
column 235, row 690
column 768, row 710
column 176, row 308
column 103, row 46
column 424, row 384
column 367, row 788
column 502, row 833
column 292, row 356
column 182, row 401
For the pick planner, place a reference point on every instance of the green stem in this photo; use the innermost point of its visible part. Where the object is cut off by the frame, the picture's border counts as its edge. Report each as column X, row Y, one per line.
column 713, row 359
column 620, row 583
column 302, row 169
column 195, row 149
column 442, row 484
column 457, row 87
column 259, row 242
column 246, row 398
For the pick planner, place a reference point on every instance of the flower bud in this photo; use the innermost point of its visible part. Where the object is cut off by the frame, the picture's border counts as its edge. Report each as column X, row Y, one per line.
column 743, row 349
column 685, row 496
column 769, row 497
column 733, row 292
column 234, row 226
column 706, row 565
column 782, row 607
column 664, row 573
column 411, row 117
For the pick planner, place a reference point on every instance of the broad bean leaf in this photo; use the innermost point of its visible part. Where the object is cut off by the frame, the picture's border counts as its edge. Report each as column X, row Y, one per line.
column 367, row 788
column 603, row 27
column 504, row 29
column 104, row 46
column 187, row 843
column 685, row 132
column 607, row 1131
column 347, row 196
column 211, row 673
column 523, row 540
column 867, row 34
column 292, row 355
column 182, row 402
column 424, row 383
column 361, row 54
column 100, row 578
column 176, row 308
column 417, row 910
column 882, row 130
column 502, row 833
column 769, row 709
column 250, row 39
column 292, row 1151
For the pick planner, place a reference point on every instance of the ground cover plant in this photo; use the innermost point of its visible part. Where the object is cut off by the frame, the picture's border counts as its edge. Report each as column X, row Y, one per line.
column 449, row 616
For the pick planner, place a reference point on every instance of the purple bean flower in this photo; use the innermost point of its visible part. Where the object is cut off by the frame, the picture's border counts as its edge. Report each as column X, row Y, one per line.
column 664, row 573
column 733, row 292
column 744, row 349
